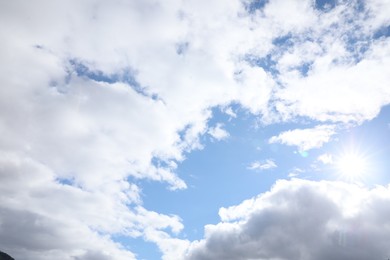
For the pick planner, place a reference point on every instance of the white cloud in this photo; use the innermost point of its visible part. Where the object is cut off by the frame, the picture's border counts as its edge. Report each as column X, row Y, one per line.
column 61, row 125
column 173, row 248
column 325, row 158
column 302, row 220
column 229, row 111
column 305, row 139
column 295, row 172
column 84, row 139
column 378, row 10
column 300, row 12
column 265, row 165
column 218, row 132
column 52, row 216
column 340, row 72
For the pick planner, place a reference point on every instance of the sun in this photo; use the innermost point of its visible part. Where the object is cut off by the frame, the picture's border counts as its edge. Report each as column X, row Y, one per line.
column 352, row 165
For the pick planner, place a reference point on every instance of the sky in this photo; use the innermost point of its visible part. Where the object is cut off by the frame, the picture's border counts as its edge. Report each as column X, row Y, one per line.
column 195, row 130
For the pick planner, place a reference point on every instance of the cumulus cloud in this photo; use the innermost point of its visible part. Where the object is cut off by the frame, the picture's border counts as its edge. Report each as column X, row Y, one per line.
column 320, row 68
column 265, row 165
column 218, row 132
column 305, row 139
column 94, row 93
column 86, row 107
column 303, row 220
column 58, row 220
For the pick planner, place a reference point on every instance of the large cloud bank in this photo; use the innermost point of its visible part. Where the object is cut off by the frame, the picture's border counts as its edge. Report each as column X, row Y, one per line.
column 302, row 220
column 95, row 94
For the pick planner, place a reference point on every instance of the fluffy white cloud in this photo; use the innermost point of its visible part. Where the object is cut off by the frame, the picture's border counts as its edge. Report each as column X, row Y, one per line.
column 58, row 220
column 302, row 220
column 218, row 132
column 93, row 93
column 266, row 165
column 328, row 74
column 305, row 139
column 325, row 158
column 322, row 94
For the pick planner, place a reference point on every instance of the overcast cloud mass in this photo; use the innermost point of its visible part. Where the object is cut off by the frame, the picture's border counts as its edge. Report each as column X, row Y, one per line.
column 98, row 96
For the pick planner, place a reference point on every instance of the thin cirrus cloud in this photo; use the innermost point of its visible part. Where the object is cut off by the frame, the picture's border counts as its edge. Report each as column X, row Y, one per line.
column 97, row 96
column 265, row 165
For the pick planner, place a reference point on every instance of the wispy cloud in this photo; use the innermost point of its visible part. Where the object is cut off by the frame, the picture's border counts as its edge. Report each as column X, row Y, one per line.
column 295, row 172
column 305, row 139
column 218, row 132
column 263, row 165
column 325, row 158
column 229, row 111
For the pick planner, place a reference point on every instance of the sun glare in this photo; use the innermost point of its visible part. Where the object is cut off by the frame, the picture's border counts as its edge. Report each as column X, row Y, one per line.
column 352, row 166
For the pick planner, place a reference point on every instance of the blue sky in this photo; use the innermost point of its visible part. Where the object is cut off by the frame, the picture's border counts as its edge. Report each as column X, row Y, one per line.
column 218, row 175
column 189, row 130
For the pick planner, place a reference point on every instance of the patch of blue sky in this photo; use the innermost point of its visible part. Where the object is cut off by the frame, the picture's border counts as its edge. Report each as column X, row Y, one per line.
column 160, row 163
column 65, row 181
column 356, row 43
column 371, row 139
column 283, row 41
column 267, row 62
column 305, row 68
column 254, row 5
column 358, row 5
column 218, row 175
column 183, row 132
column 83, row 70
column 127, row 76
column 383, row 32
column 143, row 250
column 325, row 5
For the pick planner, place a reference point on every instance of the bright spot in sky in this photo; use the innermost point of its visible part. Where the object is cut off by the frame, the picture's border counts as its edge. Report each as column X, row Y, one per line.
column 352, row 165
